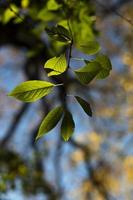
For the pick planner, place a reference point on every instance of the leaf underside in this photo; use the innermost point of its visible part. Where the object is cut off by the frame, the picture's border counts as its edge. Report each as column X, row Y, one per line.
column 85, row 105
column 50, row 121
column 87, row 73
column 67, row 126
column 91, row 47
column 98, row 68
column 105, row 64
column 59, row 33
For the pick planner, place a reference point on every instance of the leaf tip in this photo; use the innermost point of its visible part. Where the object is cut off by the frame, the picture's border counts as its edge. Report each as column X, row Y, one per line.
column 37, row 138
column 10, row 94
column 66, row 139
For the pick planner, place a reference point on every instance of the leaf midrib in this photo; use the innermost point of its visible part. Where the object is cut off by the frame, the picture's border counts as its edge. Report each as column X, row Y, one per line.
column 19, row 92
column 57, row 63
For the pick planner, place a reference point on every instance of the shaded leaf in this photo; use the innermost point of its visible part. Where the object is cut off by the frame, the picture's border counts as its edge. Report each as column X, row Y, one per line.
column 105, row 64
column 58, row 65
column 87, row 73
column 50, row 121
column 59, row 33
column 31, row 91
column 85, row 105
column 103, row 74
column 91, row 47
column 67, row 126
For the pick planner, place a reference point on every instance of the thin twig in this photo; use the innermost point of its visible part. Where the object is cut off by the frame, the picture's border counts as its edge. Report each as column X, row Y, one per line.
column 69, row 27
column 80, row 59
column 124, row 18
column 59, row 84
column 116, row 12
column 70, row 53
column 71, row 44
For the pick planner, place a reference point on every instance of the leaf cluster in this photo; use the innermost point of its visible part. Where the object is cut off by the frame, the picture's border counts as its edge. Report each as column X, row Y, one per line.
column 99, row 67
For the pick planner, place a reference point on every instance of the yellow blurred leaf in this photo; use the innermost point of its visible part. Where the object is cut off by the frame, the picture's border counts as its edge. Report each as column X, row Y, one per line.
column 95, row 141
column 9, row 14
column 128, row 167
column 25, row 3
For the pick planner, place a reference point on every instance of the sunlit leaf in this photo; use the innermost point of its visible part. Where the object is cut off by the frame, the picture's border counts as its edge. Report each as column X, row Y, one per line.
column 59, row 33
column 90, row 47
column 53, row 5
column 63, row 23
column 105, row 64
column 58, row 65
column 82, row 31
column 50, row 121
column 18, row 20
column 67, row 126
column 45, row 15
column 9, row 14
column 87, row 73
column 31, row 91
column 25, row 3
column 85, row 105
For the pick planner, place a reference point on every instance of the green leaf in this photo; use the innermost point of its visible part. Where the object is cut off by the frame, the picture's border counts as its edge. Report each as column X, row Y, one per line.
column 58, row 65
column 103, row 74
column 59, row 33
column 87, row 73
column 105, row 64
column 67, row 126
column 63, row 23
column 91, row 47
column 31, row 91
column 9, row 14
column 45, row 15
column 85, row 105
column 99, row 68
column 50, row 121
column 25, row 3
column 53, row 5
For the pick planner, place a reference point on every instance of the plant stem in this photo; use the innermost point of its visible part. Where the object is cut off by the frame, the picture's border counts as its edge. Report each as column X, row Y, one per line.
column 71, row 44
column 70, row 53
column 70, row 95
column 81, row 59
column 59, row 84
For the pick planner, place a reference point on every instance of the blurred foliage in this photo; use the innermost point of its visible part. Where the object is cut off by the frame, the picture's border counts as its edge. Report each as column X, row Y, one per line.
column 28, row 172
column 31, row 91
